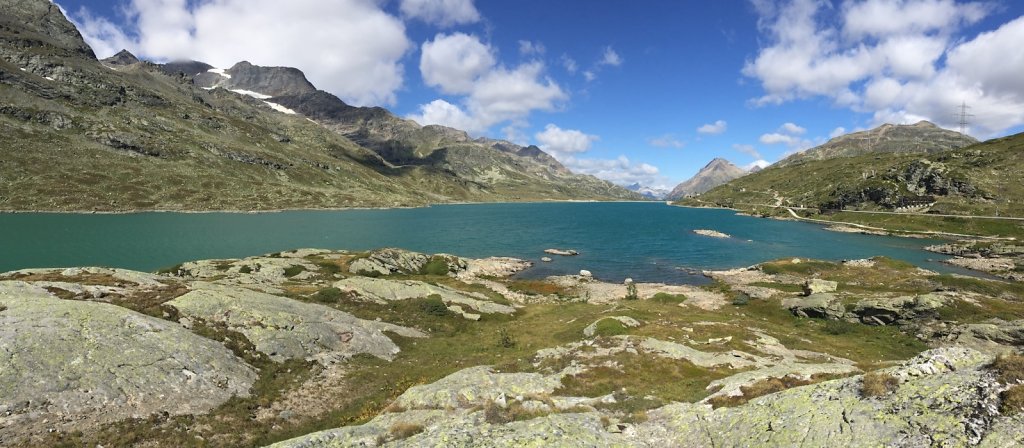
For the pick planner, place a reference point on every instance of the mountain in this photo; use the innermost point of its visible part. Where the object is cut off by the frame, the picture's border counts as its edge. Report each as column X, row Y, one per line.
column 717, row 172
column 978, row 180
column 122, row 58
column 649, row 192
column 81, row 134
column 922, row 137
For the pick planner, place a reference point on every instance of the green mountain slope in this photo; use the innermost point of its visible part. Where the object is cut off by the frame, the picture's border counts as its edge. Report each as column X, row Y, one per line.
column 979, row 180
column 77, row 134
column 922, row 137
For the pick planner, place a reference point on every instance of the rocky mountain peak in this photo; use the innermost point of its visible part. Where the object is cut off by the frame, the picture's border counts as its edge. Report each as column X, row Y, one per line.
column 921, row 137
column 717, row 172
column 39, row 21
column 269, row 81
column 122, row 58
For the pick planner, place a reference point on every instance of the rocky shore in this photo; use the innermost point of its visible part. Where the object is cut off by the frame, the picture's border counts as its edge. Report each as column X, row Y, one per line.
column 317, row 348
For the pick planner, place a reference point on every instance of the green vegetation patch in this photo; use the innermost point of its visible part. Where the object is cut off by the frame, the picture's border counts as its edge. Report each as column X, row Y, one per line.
column 642, row 376
column 292, row 271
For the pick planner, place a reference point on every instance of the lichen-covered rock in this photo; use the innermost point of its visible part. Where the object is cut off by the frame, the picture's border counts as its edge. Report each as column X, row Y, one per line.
column 818, row 305
column 891, row 310
column 399, row 261
column 475, row 386
column 818, row 286
column 142, row 279
column 383, row 290
column 74, row 364
column 284, row 329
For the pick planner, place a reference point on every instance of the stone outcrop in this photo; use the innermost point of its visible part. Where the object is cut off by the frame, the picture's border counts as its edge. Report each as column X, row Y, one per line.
column 819, row 305
column 895, row 310
column 285, row 329
column 945, row 397
column 383, row 291
column 712, row 233
column 399, row 261
column 72, row 364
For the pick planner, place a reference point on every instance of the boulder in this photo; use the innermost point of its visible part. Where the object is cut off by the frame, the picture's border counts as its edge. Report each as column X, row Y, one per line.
column 816, row 286
column 819, row 306
column 894, row 310
column 77, row 365
column 586, row 273
column 545, row 259
column 284, row 329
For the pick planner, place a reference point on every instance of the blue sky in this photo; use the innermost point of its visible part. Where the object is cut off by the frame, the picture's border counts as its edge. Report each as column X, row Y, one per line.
column 645, row 91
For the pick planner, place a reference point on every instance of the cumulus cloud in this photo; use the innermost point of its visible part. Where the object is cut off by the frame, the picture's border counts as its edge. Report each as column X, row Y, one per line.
column 792, row 129
column 491, row 93
column 666, row 141
column 899, row 61
column 837, row 132
column 715, row 128
column 620, row 170
column 564, row 141
column 454, row 63
column 748, row 150
column 789, row 134
column 443, row 13
column 351, row 48
column 757, row 163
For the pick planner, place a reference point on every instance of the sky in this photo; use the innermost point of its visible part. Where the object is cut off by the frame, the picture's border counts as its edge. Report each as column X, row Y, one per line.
column 644, row 91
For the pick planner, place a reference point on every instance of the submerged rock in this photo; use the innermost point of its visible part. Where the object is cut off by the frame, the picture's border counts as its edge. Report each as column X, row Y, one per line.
column 562, row 252
column 77, row 364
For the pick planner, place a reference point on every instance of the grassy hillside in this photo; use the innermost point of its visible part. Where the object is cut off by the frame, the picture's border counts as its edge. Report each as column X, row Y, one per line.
column 979, row 180
column 76, row 134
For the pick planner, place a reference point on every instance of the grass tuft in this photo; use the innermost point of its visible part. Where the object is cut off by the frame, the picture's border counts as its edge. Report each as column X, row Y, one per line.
column 878, row 384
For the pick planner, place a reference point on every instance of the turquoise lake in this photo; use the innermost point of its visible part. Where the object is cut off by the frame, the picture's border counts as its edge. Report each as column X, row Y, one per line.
column 646, row 241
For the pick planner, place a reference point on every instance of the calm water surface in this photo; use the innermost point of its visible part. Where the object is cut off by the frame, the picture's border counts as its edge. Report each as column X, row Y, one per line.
column 646, row 241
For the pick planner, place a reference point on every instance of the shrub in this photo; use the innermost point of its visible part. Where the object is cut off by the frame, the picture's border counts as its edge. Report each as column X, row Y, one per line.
column 245, row 269
column 505, row 339
column 173, row 270
column 436, row 266
column 741, row 299
column 878, row 384
column 404, row 430
column 329, row 268
column 292, row 271
column 328, row 295
column 1009, row 368
column 631, row 291
column 434, row 306
column 668, row 299
column 838, row 327
column 1012, row 400
column 609, row 327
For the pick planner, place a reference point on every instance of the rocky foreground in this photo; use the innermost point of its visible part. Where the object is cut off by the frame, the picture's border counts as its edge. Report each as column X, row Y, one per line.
column 316, row 348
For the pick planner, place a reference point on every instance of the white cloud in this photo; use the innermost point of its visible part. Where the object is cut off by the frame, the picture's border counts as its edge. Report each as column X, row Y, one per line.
column 447, row 114
column 351, row 48
column 666, row 141
column 757, row 163
column 880, row 18
column 897, row 60
column 715, row 128
column 460, row 64
column 611, row 57
column 776, row 138
column 748, row 150
column 620, row 170
column 105, row 38
column 837, row 132
column 564, row 141
column 792, row 129
column 589, row 75
column 530, row 48
column 454, row 63
column 570, row 64
column 443, row 13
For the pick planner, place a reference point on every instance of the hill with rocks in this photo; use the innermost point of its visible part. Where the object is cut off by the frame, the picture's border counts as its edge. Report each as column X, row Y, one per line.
column 123, row 134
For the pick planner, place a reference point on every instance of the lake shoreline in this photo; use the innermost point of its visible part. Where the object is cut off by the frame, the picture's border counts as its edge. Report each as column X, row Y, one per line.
column 281, row 210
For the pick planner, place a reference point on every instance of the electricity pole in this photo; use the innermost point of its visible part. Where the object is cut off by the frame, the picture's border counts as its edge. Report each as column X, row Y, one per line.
column 963, row 118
